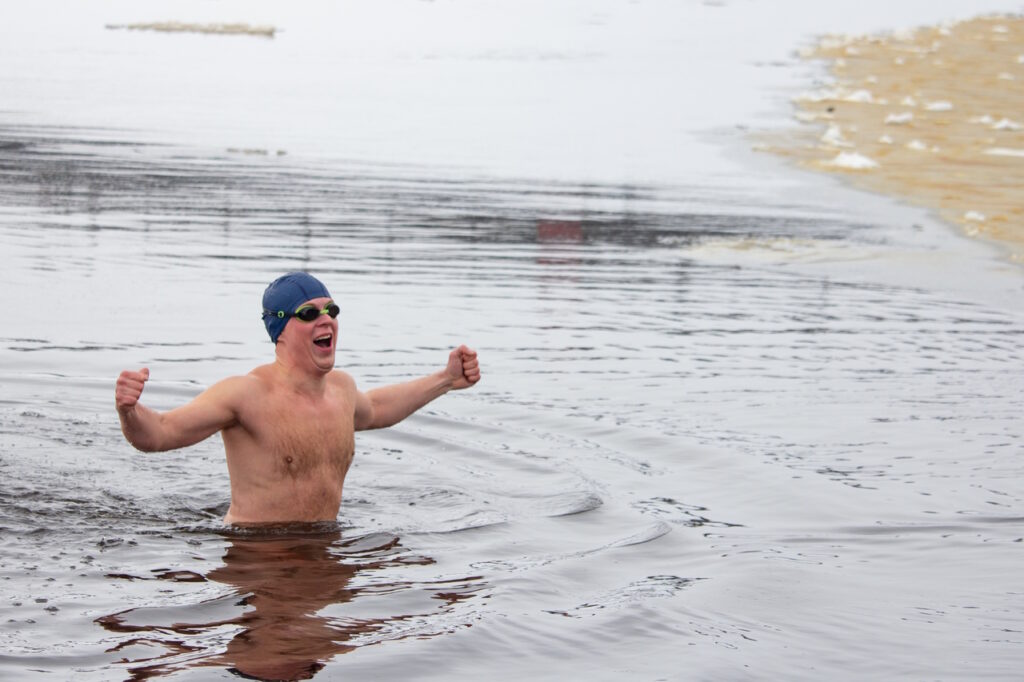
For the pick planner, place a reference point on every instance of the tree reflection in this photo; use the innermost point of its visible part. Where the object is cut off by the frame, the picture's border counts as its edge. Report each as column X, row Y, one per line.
column 275, row 616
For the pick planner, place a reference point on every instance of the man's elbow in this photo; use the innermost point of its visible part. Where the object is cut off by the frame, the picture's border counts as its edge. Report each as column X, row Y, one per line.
column 145, row 440
column 143, row 444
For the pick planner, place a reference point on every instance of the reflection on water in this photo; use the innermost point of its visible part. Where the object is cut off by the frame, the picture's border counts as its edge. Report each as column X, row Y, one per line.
column 720, row 430
column 79, row 172
column 273, row 614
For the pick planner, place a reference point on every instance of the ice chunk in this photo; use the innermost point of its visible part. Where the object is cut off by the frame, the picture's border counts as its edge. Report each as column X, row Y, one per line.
column 834, row 137
column 859, row 96
column 1003, row 151
column 852, row 161
column 899, row 119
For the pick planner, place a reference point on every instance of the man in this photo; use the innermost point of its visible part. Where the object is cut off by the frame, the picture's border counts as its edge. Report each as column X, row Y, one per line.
column 288, row 427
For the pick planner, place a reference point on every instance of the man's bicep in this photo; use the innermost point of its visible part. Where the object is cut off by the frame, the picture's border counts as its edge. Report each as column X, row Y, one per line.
column 363, row 417
column 212, row 410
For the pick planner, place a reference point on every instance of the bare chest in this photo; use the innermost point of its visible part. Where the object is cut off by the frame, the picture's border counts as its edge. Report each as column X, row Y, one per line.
column 303, row 438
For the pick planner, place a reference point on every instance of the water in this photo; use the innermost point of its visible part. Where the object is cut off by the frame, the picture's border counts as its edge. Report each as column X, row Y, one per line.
column 740, row 425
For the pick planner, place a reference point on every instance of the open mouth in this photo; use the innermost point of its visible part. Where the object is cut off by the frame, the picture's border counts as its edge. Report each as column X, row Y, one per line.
column 324, row 341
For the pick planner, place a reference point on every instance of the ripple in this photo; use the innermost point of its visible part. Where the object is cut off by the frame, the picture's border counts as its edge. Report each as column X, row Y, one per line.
column 651, row 587
column 679, row 512
column 758, row 376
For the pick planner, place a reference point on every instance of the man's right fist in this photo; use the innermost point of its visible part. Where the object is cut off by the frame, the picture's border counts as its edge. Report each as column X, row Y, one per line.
column 129, row 387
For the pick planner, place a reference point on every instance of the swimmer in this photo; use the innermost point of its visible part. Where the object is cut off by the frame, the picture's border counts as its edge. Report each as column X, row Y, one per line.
column 288, row 426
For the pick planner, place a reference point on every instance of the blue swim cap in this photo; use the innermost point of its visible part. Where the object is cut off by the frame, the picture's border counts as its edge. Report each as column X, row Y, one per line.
column 284, row 295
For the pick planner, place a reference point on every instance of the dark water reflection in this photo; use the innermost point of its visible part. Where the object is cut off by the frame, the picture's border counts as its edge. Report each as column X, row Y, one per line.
column 722, row 429
column 274, row 616
column 84, row 172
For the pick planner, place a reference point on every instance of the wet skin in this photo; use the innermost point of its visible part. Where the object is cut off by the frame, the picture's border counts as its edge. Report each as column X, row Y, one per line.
column 288, row 426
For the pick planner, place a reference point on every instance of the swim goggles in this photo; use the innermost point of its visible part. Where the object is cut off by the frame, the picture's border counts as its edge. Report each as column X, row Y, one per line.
column 307, row 313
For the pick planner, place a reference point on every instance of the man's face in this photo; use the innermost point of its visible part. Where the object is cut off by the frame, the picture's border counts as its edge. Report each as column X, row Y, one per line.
column 315, row 340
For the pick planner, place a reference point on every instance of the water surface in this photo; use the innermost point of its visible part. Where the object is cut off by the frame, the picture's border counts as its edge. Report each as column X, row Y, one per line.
column 733, row 425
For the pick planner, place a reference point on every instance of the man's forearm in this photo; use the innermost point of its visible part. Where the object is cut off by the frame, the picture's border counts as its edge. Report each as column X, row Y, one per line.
column 392, row 404
column 141, row 427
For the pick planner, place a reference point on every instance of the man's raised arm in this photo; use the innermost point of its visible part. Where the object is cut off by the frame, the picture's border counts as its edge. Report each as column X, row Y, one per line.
column 389, row 405
column 152, row 431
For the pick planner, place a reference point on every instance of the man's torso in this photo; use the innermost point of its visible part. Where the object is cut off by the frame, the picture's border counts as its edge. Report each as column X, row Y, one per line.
column 289, row 452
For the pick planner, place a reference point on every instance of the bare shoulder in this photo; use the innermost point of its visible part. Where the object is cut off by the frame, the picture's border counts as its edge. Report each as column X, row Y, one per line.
column 244, row 383
column 236, row 389
column 342, row 381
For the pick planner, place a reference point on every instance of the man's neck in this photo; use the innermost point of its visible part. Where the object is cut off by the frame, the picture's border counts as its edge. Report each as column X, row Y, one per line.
column 300, row 377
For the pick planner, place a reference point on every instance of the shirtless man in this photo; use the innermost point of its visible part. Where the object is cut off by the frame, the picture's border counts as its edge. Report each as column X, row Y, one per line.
column 288, row 427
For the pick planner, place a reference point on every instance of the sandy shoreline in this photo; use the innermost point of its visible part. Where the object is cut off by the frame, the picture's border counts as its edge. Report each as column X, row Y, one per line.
column 934, row 116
